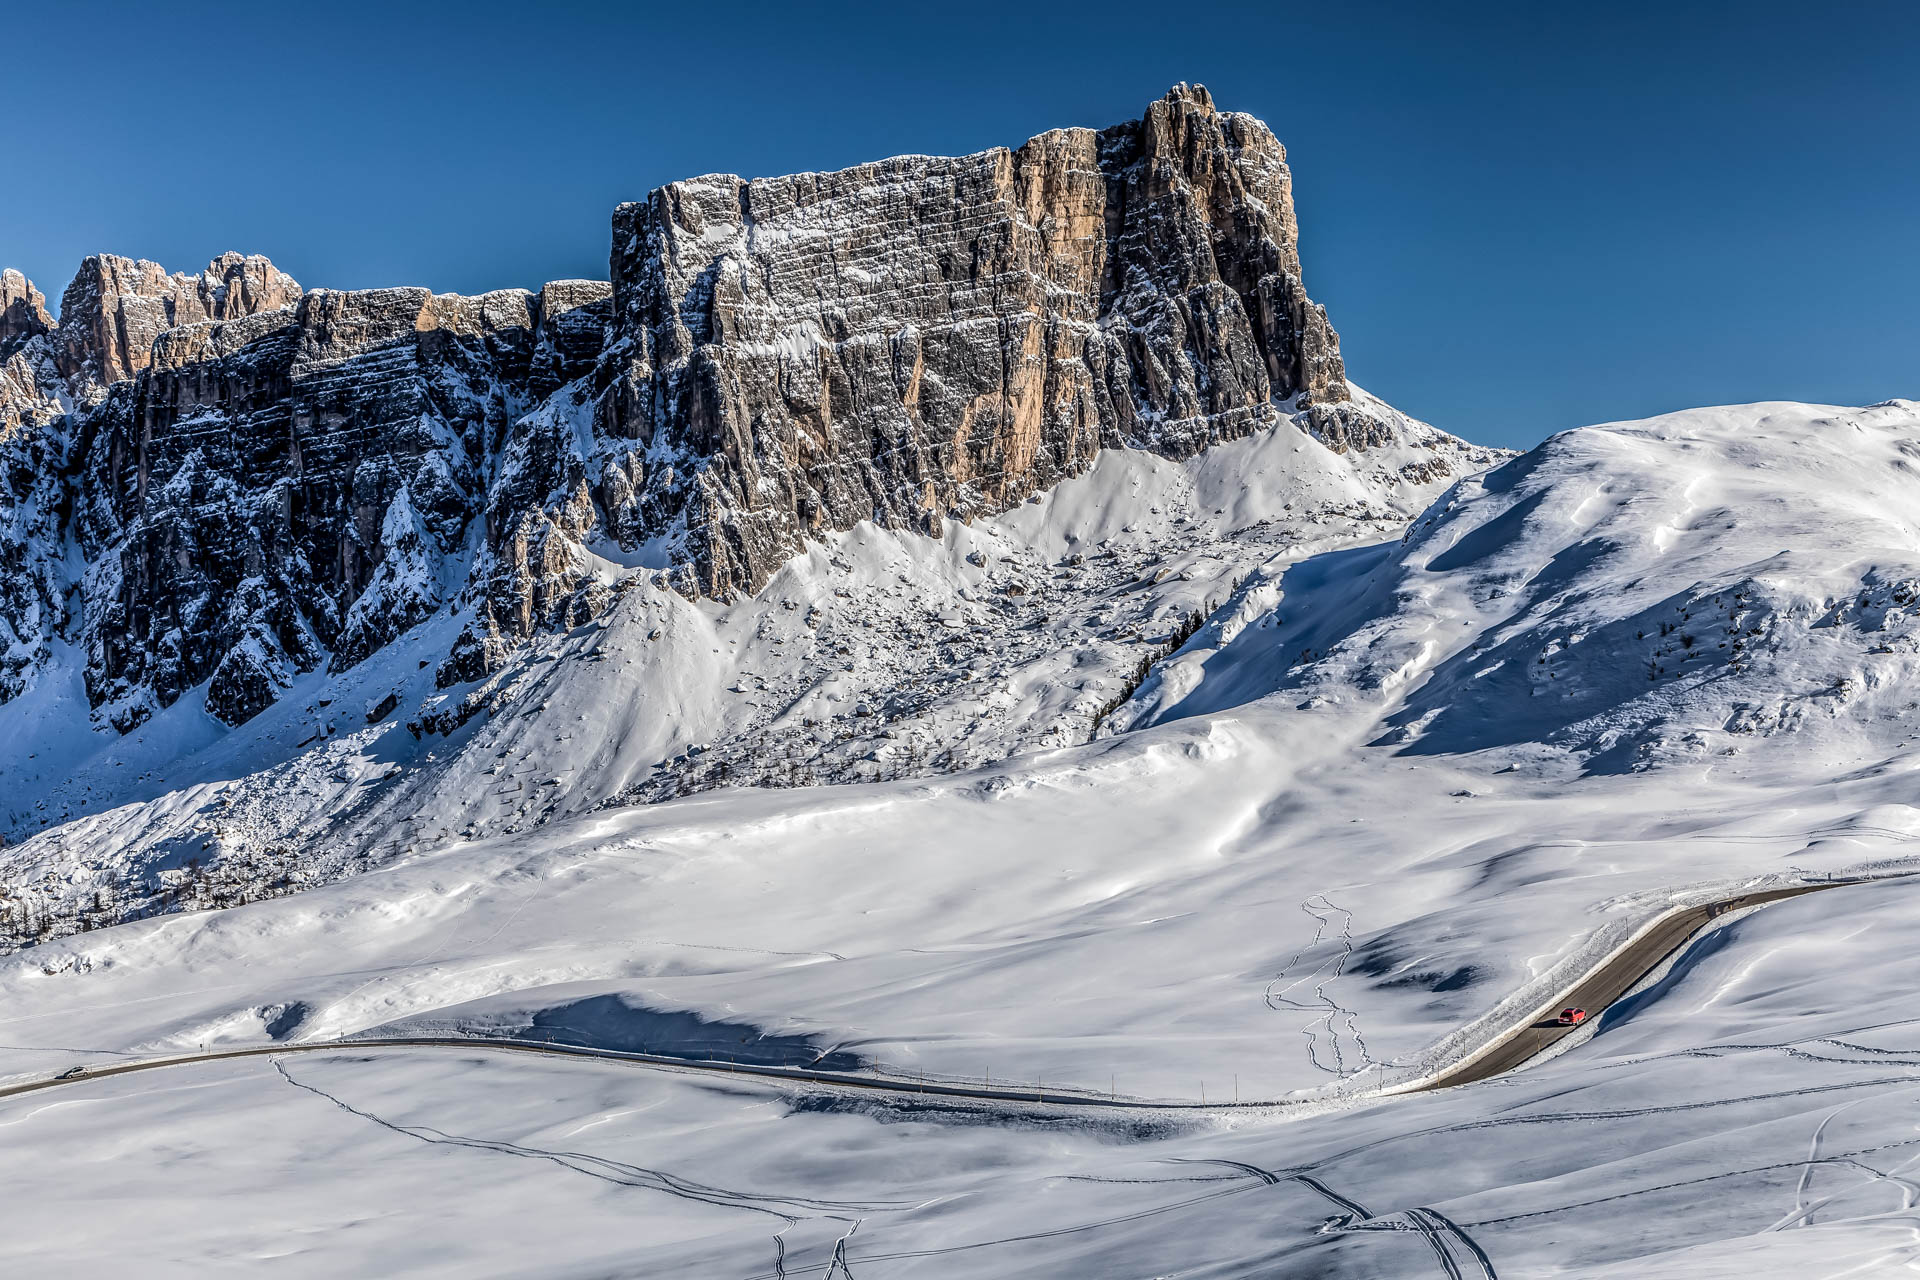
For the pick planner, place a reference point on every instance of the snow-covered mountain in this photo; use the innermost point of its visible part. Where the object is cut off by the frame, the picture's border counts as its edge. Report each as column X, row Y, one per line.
column 1691, row 587
column 872, row 474
column 1205, row 729
column 258, row 481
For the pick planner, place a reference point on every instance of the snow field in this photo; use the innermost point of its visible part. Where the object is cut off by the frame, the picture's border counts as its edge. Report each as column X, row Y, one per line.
column 1395, row 794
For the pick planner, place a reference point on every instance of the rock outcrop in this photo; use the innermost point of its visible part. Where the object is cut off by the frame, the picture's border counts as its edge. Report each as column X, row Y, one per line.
column 573, row 316
column 31, row 389
column 30, row 384
column 285, row 489
column 33, row 487
column 33, row 583
column 116, row 307
column 23, row 310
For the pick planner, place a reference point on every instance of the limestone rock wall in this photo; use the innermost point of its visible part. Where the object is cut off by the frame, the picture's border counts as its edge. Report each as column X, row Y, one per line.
column 929, row 338
column 288, row 489
column 33, row 491
column 116, row 307
column 23, row 310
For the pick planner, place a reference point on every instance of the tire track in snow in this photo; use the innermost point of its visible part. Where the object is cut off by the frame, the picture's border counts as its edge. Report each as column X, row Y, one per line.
column 1026, row 1237
column 1849, row 1159
column 838, row 1263
column 1359, row 1212
column 1803, row 1212
column 1432, row 1235
column 1442, row 1223
column 1253, row 1170
column 1624, row 1113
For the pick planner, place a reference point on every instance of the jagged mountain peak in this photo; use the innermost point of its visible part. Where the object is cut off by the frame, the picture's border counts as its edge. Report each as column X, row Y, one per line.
column 912, row 341
column 23, row 309
column 990, row 323
column 115, row 308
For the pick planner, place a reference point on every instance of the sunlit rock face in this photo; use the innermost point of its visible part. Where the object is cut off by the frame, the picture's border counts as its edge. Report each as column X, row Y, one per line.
column 926, row 338
column 116, row 307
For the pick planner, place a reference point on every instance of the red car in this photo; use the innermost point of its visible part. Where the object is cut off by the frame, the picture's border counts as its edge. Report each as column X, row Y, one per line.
column 1571, row 1017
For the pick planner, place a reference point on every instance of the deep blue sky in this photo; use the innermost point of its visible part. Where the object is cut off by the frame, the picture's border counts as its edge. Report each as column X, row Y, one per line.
column 1521, row 218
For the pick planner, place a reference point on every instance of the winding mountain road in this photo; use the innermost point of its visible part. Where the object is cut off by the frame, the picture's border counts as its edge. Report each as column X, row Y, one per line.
column 1604, row 984
column 1599, row 987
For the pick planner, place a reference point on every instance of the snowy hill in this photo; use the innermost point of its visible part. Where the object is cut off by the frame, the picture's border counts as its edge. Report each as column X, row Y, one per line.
column 881, row 654
column 1358, row 827
column 1626, row 595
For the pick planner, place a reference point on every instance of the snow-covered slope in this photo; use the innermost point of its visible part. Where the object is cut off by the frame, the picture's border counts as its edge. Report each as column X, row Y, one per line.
column 1625, row 595
column 879, row 654
column 1752, row 1117
column 1388, row 798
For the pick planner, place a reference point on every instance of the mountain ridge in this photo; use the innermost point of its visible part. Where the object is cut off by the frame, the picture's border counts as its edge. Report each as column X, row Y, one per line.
column 910, row 341
column 880, row 473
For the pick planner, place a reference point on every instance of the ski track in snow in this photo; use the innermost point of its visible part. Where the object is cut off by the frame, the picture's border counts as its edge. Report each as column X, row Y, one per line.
column 1322, row 973
column 790, row 1209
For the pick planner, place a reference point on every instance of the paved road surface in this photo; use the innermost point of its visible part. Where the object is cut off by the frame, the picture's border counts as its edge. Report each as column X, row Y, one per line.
column 1606, row 984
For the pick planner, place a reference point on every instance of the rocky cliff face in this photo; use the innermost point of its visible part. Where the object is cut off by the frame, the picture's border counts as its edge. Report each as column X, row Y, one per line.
column 33, row 573
column 23, row 310
column 292, row 488
column 261, row 480
column 32, row 488
column 115, row 308
column 929, row 338
column 30, row 383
